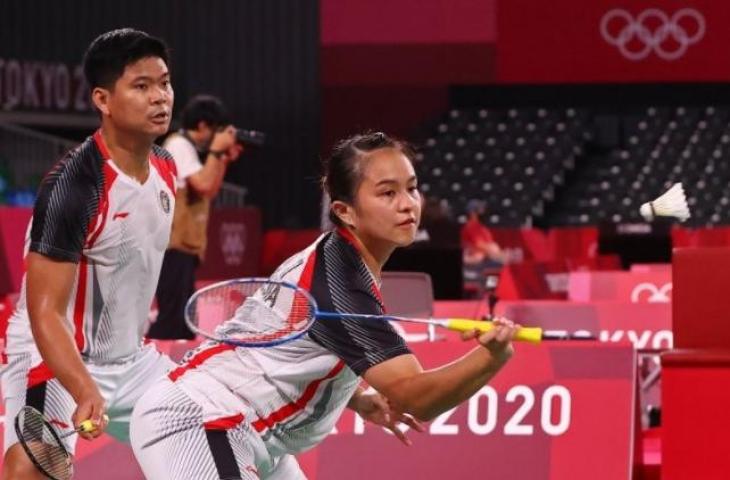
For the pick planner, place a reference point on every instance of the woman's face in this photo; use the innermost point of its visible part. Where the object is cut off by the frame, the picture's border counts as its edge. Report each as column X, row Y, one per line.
column 387, row 204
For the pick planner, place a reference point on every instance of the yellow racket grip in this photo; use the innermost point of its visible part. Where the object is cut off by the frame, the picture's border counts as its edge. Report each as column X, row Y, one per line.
column 88, row 426
column 532, row 335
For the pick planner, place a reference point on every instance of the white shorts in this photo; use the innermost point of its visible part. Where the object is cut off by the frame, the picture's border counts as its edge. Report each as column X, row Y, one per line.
column 172, row 442
column 121, row 384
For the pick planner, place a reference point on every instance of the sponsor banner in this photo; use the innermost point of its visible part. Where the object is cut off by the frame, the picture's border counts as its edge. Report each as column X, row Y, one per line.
column 645, row 325
column 556, row 411
column 571, row 41
column 632, row 287
column 31, row 84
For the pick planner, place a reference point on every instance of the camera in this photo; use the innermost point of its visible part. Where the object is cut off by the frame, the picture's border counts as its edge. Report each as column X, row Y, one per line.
column 250, row 137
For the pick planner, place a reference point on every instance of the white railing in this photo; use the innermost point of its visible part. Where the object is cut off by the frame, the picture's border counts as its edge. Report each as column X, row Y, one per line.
column 26, row 155
column 230, row 195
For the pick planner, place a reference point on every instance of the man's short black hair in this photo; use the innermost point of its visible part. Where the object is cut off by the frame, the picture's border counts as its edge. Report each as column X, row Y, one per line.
column 204, row 108
column 111, row 52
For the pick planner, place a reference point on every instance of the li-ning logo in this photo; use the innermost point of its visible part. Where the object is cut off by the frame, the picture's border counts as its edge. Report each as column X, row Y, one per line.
column 653, row 31
column 656, row 294
column 233, row 242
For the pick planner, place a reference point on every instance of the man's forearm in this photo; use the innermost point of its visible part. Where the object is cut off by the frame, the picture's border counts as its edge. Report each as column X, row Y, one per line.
column 59, row 353
column 207, row 181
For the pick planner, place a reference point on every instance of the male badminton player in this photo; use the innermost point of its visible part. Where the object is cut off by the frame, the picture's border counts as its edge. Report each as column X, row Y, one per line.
column 233, row 412
column 93, row 253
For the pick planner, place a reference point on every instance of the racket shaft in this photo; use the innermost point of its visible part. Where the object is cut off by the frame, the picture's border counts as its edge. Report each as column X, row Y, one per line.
column 532, row 335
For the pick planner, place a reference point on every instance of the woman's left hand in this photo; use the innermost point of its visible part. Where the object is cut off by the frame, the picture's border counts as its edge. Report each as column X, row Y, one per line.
column 375, row 408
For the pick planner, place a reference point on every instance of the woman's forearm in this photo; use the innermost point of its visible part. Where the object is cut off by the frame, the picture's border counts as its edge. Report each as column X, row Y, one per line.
column 433, row 392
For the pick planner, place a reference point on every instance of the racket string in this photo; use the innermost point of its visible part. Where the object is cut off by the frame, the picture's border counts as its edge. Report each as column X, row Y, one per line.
column 252, row 312
column 43, row 445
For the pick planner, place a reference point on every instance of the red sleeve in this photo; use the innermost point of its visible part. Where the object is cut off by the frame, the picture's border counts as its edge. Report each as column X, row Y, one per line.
column 485, row 234
column 474, row 232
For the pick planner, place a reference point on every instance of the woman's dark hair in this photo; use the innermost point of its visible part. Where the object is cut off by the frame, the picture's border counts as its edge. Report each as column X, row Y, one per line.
column 111, row 52
column 343, row 170
column 204, row 108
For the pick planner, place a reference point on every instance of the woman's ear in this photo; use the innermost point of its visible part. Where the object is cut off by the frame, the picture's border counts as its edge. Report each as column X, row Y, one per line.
column 344, row 212
column 100, row 97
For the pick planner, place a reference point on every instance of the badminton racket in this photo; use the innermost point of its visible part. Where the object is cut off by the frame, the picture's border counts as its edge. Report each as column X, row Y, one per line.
column 43, row 443
column 261, row 312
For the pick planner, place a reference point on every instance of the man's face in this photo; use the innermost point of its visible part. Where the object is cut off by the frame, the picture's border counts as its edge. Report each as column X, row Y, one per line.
column 142, row 98
column 207, row 132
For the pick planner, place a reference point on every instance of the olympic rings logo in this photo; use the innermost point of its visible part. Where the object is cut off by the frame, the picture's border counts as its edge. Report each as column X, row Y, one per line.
column 656, row 294
column 652, row 30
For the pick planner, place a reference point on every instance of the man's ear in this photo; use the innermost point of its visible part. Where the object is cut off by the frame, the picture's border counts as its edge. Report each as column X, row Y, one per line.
column 100, row 97
column 344, row 212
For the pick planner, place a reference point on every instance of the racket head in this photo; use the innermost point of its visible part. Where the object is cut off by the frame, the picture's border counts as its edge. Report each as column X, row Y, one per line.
column 251, row 312
column 42, row 444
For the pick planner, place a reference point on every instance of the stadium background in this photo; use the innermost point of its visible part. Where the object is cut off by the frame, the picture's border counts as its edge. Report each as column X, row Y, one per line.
column 495, row 93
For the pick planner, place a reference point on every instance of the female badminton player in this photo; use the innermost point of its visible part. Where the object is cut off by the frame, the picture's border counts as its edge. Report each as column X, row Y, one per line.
column 234, row 412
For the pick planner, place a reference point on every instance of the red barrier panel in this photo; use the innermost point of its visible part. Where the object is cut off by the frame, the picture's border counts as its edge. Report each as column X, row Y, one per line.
column 695, row 414
column 647, row 326
column 537, row 244
column 522, row 244
column 533, row 280
column 665, row 268
column 573, row 41
column 597, row 263
column 575, row 242
column 701, row 308
column 278, row 245
column 557, row 411
column 701, row 237
column 630, row 287
column 13, row 224
column 234, row 244
column 696, row 378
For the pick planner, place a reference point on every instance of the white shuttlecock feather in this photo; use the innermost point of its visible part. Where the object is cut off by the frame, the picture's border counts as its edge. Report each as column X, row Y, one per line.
column 672, row 204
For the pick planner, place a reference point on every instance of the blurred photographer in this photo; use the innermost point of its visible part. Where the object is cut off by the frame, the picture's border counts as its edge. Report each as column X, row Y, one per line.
column 203, row 148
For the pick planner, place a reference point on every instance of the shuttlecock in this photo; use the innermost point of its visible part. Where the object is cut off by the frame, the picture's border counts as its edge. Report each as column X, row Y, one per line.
column 672, row 204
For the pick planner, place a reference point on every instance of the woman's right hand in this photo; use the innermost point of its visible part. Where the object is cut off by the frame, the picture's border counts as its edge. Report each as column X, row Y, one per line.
column 497, row 340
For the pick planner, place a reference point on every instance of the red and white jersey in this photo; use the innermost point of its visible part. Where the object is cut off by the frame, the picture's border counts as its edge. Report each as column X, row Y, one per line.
column 116, row 229
column 292, row 394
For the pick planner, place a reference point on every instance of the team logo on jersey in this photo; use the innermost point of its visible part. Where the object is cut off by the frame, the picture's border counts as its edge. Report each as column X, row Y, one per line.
column 165, row 201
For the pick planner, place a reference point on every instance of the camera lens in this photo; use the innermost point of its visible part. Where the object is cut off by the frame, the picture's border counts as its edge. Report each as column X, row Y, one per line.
column 250, row 137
